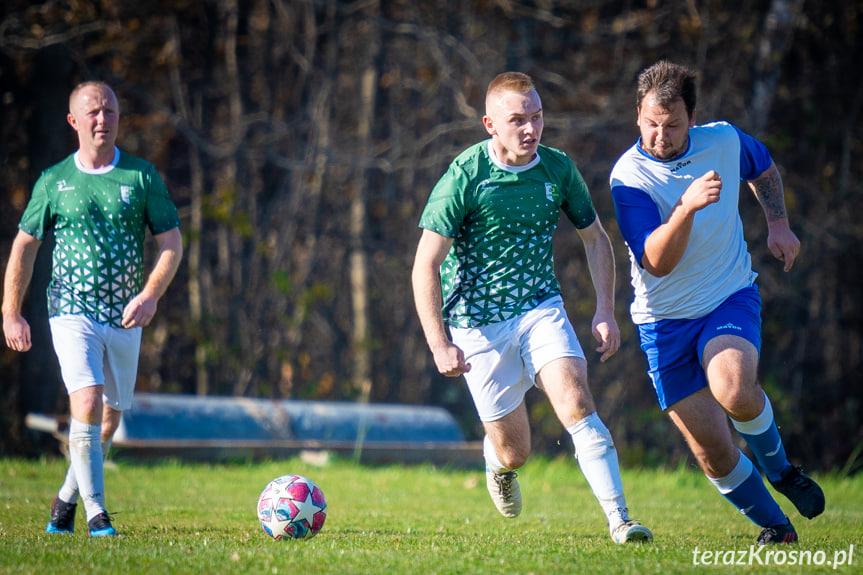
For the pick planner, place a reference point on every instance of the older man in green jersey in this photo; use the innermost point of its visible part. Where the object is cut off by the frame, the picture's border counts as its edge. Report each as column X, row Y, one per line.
column 484, row 272
column 99, row 203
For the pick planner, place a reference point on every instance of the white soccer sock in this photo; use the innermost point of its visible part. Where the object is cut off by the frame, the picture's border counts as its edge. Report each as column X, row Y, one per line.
column 597, row 457
column 69, row 489
column 85, row 453
column 491, row 460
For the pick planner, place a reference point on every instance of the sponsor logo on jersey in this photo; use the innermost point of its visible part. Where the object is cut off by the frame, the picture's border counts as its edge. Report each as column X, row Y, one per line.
column 680, row 166
column 62, row 187
column 729, row 326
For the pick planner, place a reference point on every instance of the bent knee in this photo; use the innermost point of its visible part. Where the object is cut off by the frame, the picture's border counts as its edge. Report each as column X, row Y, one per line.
column 740, row 400
column 716, row 460
column 514, row 459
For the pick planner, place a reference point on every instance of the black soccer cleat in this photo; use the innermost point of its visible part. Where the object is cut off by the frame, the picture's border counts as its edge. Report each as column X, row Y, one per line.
column 62, row 517
column 802, row 491
column 777, row 535
column 100, row 526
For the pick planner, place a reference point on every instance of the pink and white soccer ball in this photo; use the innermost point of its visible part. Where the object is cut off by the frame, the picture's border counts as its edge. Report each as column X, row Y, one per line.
column 292, row 507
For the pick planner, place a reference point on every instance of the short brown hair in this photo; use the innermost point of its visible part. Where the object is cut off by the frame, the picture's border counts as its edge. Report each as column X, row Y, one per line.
column 668, row 82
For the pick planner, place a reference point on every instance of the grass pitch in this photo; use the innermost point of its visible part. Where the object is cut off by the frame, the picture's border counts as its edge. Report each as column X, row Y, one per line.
column 200, row 519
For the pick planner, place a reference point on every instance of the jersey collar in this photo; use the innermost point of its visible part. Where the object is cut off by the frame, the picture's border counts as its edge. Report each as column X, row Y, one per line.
column 507, row 167
column 98, row 171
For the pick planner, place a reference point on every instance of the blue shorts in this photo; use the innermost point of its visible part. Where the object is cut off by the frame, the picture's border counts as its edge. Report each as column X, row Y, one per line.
column 674, row 347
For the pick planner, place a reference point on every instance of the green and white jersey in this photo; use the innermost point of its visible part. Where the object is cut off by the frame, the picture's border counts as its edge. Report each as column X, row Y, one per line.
column 502, row 219
column 99, row 218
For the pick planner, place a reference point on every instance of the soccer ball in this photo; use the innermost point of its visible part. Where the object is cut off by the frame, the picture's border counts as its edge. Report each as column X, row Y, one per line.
column 292, row 507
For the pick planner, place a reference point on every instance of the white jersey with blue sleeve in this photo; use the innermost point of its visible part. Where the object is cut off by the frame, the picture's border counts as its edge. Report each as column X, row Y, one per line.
column 716, row 262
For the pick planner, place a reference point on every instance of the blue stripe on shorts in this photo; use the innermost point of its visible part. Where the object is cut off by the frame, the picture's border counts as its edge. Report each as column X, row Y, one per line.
column 674, row 347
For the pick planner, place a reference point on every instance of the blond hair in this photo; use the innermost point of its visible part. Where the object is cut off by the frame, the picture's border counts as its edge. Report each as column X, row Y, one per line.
column 509, row 82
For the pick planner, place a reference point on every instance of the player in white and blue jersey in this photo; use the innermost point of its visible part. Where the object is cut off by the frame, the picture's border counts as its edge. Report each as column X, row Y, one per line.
column 696, row 304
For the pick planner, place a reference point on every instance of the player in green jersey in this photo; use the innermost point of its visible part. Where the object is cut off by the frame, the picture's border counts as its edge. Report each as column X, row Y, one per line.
column 484, row 272
column 99, row 202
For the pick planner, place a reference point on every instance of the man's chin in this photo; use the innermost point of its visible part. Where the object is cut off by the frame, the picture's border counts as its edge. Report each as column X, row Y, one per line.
column 663, row 155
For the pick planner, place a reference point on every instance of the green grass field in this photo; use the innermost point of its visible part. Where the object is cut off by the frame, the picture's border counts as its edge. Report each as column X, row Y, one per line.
column 200, row 519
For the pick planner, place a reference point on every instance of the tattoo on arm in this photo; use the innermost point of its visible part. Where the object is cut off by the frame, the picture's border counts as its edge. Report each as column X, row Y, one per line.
column 768, row 189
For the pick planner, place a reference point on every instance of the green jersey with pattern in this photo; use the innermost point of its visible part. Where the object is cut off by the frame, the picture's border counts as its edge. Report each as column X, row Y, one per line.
column 501, row 219
column 99, row 218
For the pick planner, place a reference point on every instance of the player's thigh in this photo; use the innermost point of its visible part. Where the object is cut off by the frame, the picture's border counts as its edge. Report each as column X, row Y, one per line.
column 497, row 380
column 80, row 348
column 704, row 425
column 122, row 350
column 510, row 436
column 564, row 381
column 729, row 345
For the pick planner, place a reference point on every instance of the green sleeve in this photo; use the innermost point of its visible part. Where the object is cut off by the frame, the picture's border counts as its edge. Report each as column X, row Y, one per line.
column 161, row 212
column 577, row 204
column 37, row 218
column 447, row 205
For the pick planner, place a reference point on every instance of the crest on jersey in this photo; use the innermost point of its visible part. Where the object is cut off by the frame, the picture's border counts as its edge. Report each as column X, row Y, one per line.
column 550, row 191
column 125, row 193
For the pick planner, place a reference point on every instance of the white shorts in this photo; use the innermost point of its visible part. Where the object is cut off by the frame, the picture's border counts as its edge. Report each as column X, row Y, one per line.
column 506, row 356
column 91, row 353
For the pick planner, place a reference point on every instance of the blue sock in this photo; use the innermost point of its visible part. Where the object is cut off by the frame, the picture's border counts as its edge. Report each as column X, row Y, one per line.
column 762, row 437
column 745, row 489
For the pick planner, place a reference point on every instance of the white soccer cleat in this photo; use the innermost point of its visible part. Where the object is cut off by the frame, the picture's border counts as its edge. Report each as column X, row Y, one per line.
column 504, row 491
column 631, row 531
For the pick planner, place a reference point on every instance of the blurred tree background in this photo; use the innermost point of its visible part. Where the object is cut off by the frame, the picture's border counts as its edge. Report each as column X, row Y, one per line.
column 300, row 140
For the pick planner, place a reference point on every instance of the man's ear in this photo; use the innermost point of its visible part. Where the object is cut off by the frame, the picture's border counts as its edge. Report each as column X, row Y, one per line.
column 489, row 125
column 72, row 121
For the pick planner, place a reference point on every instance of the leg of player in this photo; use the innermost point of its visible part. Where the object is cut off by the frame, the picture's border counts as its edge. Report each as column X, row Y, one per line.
column 506, row 448
column 66, row 502
column 704, row 426
column 68, row 495
column 731, row 366
column 564, row 381
column 85, row 453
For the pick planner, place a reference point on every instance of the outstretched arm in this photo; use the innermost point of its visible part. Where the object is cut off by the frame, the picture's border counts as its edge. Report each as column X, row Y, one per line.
column 425, row 277
column 600, row 260
column 781, row 241
column 19, row 272
column 142, row 308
